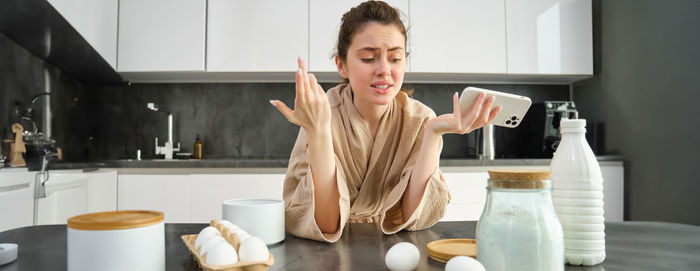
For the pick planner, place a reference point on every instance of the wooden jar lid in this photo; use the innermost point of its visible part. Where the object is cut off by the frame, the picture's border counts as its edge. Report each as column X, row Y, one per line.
column 116, row 220
column 444, row 249
column 519, row 178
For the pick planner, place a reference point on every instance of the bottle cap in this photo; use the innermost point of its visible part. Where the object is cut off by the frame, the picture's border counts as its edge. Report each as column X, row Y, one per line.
column 573, row 123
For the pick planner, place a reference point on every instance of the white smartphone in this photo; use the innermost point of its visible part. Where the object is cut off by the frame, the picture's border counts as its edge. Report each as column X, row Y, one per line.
column 513, row 107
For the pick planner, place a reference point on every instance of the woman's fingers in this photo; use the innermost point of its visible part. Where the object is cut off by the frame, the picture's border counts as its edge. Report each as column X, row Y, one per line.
column 299, row 81
column 470, row 119
column 485, row 111
column 304, row 77
column 456, row 110
column 493, row 113
column 285, row 110
column 315, row 88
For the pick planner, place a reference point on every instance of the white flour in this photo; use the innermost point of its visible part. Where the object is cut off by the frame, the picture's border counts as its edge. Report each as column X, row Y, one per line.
column 513, row 237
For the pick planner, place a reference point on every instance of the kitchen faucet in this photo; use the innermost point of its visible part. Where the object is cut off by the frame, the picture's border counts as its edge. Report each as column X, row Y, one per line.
column 488, row 148
column 167, row 149
column 41, row 177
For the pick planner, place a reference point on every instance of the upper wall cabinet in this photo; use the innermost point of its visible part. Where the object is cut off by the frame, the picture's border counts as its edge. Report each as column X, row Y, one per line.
column 161, row 35
column 263, row 35
column 324, row 23
column 96, row 21
column 549, row 37
column 457, row 36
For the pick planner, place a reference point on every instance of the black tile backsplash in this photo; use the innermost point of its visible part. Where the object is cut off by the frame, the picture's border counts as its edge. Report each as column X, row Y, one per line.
column 236, row 119
column 23, row 75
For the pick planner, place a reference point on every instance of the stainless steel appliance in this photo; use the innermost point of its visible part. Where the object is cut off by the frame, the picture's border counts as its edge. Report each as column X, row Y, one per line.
column 555, row 112
column 543, row 126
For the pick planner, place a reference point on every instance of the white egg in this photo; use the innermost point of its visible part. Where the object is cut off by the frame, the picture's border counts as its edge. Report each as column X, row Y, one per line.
column 238, row 231
column 209, row 243
column 464, row 263
column 205, row 234
column 253, row 249
column 221, row 254
column 225, row 223
column 242, row 236
column 403, row 256
column 232, row 227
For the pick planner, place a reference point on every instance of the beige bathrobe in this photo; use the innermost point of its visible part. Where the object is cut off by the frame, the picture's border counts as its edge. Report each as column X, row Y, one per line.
column 372, row 173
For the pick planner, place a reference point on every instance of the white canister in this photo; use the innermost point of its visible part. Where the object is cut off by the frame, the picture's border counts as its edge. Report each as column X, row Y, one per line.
column 263, row 218
column 121, row 240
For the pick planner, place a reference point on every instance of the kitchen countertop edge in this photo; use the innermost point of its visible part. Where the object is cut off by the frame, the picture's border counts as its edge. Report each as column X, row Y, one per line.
column 269, row 166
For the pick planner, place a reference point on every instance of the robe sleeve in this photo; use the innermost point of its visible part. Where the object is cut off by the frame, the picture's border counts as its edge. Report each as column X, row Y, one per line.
column 299, row 196
column 432, row 205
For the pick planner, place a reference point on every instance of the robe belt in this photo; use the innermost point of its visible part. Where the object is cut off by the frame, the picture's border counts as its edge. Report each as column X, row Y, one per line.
column 363, row 219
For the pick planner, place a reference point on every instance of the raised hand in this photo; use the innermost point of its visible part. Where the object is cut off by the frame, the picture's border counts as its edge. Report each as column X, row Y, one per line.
column 311, row 108
column 459, row 122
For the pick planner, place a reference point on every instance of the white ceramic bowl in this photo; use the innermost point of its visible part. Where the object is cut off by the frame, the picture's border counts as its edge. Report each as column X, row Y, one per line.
column 263, row 218
column 121, row 240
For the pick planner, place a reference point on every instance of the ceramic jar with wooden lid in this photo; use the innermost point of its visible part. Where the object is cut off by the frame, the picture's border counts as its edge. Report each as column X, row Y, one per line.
column 121, row 240
column 519, row 229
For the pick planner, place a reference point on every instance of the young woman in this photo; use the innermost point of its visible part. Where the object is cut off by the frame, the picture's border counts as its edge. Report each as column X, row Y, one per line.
column 367, row 153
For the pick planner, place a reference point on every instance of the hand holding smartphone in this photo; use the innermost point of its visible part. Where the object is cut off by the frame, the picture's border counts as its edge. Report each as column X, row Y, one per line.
column 513, row 107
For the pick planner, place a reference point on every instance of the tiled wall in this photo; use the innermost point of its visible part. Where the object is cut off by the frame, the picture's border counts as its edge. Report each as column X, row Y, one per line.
column 236, row 120
column 23, row 75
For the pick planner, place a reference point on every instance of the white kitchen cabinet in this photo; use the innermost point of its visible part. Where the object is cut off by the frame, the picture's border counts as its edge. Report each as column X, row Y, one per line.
column 457, row 36
column 96, row 21
column 324, row 23
column 467, row 187
column 161, row 35
column 16, row 198
column 263, row 36
column 549, row 37
column 209, row 190
column 613, row 192
column 102, row 190
column 66, row 196
column 169, row 194
column 468, row 191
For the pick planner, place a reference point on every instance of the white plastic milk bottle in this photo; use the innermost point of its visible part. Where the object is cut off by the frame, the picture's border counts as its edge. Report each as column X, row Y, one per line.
column 577, row 194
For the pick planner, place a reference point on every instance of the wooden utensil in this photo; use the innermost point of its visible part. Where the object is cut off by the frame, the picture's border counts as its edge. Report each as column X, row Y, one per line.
column 17, row 147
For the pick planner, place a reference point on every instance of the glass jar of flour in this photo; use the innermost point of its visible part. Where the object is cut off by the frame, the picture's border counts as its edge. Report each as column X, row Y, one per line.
column 519, row 229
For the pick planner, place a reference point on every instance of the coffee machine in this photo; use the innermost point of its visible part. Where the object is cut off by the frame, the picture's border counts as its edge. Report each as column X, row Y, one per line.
column 543, row 126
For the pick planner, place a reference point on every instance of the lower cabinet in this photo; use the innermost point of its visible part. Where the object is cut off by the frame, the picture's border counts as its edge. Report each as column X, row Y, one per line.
column 74, row 192
column 468, row 191
column 169, row 194
column 210, row 190
column 193, row 198
column 16, row 198
column 197, row 198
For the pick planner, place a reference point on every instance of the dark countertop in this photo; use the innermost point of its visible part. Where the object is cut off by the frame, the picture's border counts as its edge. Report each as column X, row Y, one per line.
column 282, row 163
column 630, row 246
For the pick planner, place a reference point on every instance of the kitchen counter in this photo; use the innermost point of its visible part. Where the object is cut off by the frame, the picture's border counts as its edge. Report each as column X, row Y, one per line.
column 282, row 163
column 630, row 246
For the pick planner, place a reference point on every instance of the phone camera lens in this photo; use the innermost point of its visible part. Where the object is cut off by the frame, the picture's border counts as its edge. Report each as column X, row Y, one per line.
column 514, row 123
column 513, row 118
column 507, row 121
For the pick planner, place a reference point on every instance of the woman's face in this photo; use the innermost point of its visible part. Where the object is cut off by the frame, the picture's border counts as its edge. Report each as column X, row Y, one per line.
column 375, row 64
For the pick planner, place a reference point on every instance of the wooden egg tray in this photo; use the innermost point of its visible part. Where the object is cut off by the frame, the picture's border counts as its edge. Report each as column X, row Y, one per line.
column 231, row 238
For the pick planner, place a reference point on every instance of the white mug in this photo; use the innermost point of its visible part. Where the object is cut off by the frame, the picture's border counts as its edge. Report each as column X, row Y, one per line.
column 263, row 218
